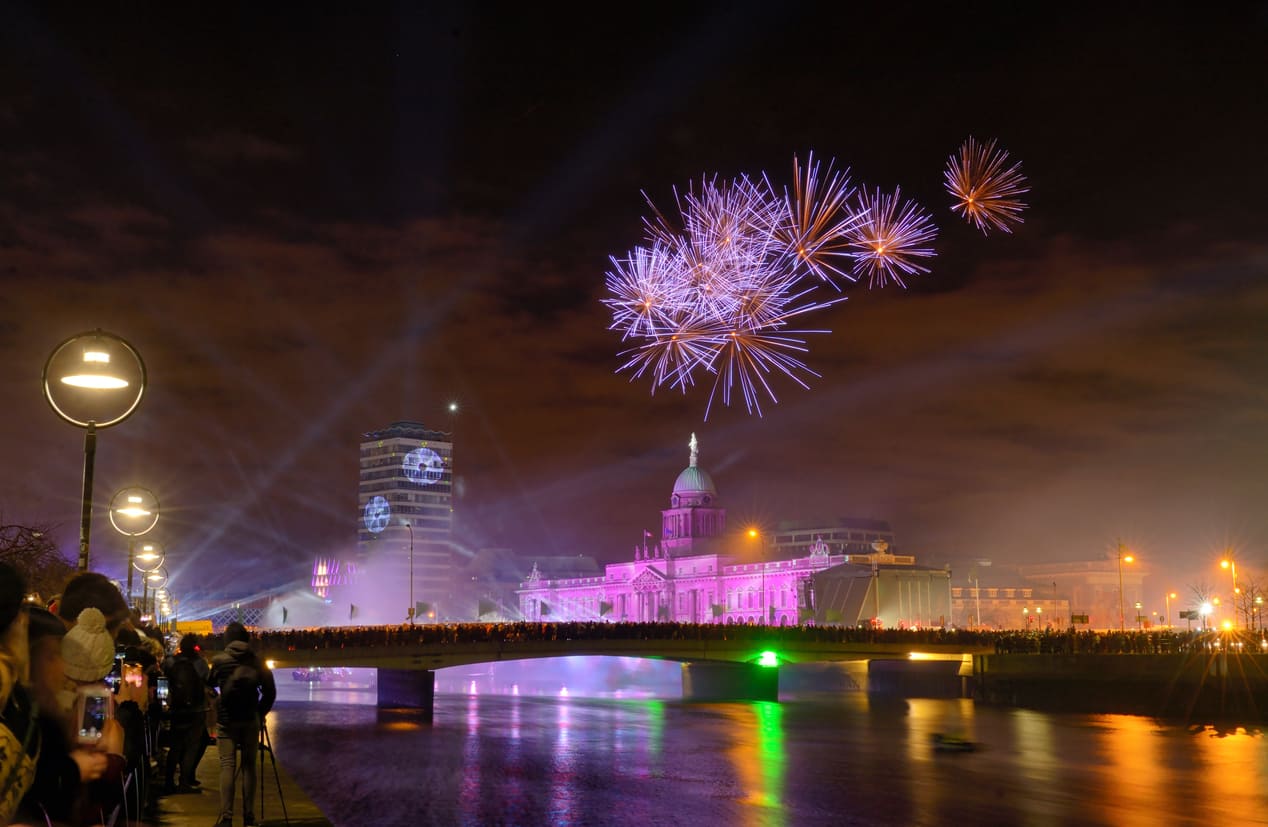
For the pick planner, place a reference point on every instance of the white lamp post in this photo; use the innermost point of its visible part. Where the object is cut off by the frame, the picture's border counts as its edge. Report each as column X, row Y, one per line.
column 133, row 511
column 93, row 380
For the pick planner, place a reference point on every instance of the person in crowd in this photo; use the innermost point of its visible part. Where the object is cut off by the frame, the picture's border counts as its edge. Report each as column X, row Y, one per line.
column 19, row 731
column 187, row 674
column 88, row 651
column 246, row 694
column 90, row 588
column 65, row 768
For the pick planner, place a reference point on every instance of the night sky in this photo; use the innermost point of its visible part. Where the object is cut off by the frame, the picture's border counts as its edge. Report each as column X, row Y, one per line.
column 313, row 221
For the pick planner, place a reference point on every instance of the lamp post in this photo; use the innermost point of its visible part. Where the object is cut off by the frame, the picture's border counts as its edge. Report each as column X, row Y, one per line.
column 133, row 512
column 1122, row 558
column 93, row 380
column 977, row 588
column 409, row 613
column 157, row 578
column 1169, row 597
column 1230, row 563
column 149, row 560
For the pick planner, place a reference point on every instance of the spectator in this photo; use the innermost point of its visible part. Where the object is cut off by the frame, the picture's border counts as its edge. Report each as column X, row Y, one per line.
column 19, row 732
column 246, row 694
column 187, row 675
column 64, row 767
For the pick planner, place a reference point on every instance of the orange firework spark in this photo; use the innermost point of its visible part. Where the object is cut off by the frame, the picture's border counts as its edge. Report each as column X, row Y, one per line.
column 985, row 186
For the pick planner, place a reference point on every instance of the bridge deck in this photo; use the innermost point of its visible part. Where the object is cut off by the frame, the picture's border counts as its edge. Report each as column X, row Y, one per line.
column 442, row 655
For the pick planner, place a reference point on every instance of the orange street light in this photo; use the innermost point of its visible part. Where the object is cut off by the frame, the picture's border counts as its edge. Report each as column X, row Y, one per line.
column 1229, row 563
column 1122, row 558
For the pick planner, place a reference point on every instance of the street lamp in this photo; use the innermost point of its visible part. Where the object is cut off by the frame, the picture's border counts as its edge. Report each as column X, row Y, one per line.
column 1122, row 558
column 133, row 512
column 93, row 380
column 1169, row 597
column 977, row 588
column 409, row 613
column 754, row 534
column 147, row 561
column 1229, row 563
column 157, row 579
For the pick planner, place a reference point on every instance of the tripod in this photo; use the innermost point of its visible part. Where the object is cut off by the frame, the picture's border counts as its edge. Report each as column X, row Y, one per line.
column 266, row 745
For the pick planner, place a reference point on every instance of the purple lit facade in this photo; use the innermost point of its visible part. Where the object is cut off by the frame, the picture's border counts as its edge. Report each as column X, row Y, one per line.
column 692, row 575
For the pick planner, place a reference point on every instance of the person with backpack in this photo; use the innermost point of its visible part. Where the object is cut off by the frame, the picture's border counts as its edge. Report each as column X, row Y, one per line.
column 187, row 675
column 246, row 694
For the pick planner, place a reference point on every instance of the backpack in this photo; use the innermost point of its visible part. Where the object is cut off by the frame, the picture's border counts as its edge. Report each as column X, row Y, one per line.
column 185, row 687
column 240, row 693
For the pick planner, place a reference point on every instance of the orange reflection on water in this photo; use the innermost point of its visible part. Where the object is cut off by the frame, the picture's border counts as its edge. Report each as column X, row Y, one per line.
column 1236, row 763
column 757, row 752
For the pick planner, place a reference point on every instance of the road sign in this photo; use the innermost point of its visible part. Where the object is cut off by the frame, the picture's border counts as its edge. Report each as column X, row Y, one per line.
column 1078, row 619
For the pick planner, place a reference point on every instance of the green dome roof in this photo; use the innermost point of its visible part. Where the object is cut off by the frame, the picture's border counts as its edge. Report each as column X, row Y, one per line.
column 694, row 480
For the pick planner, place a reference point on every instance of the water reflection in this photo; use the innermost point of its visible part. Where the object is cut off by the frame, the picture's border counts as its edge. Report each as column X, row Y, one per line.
column 491, row 756
column 757, row 754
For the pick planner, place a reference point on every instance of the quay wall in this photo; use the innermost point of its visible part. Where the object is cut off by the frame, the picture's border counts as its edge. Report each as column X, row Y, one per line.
column 1200, row 685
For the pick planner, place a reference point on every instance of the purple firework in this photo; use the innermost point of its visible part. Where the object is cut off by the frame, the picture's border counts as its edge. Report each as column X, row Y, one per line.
column 985, row 187
column 891, row 239
column 720, row 286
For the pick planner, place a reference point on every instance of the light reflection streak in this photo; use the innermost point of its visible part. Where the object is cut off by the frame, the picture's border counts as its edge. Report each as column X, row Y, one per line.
column 757, row 752
column 469, row 791
column 564, row 770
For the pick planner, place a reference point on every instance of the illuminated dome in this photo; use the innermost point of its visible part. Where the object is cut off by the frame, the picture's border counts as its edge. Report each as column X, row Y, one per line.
column 694, row 480
column 694, row 486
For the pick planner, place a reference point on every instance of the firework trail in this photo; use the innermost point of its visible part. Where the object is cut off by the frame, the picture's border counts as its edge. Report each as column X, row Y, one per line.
column 985, row 186
column 891, row 239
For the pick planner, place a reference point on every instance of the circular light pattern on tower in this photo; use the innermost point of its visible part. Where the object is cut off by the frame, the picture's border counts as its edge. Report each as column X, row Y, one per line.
column 377, row 514
column 423, row 466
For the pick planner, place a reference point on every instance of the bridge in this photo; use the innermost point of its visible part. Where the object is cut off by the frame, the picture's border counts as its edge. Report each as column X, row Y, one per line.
column 736, row 664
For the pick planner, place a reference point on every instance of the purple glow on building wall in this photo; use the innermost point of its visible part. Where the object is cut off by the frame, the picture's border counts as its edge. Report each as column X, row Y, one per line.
column 692, row 575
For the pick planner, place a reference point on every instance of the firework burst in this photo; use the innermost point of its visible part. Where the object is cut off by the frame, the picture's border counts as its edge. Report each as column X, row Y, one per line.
column 985, row 187
column 818, row 220
column 891, row 239
column 720, row 286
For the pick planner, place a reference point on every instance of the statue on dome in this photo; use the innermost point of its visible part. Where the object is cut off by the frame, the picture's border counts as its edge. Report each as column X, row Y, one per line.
column 695, row 449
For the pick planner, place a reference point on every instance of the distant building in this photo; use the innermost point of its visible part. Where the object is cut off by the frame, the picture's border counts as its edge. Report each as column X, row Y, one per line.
column 995, row 607
column 844, row 535
column 405, row 512
column 696, row 572
column 1092, row 588
column 404, row 523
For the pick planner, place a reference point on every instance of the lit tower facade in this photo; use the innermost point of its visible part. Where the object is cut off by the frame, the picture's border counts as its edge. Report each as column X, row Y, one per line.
column 694, row 515
column 405, row 516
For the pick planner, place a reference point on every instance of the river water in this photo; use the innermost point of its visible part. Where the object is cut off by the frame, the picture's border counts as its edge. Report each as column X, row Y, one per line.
column 531, row 749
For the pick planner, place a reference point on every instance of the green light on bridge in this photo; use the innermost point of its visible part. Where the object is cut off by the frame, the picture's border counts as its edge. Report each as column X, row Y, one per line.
column 768, row 658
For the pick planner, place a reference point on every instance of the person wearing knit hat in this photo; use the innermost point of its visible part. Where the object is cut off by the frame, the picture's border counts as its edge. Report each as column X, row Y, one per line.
column 88, row 649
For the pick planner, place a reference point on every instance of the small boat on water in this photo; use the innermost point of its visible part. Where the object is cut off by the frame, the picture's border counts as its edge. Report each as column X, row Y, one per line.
column 952, row 743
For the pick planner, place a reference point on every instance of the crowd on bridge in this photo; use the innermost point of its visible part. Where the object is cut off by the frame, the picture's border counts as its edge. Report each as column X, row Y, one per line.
column 509, row 633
